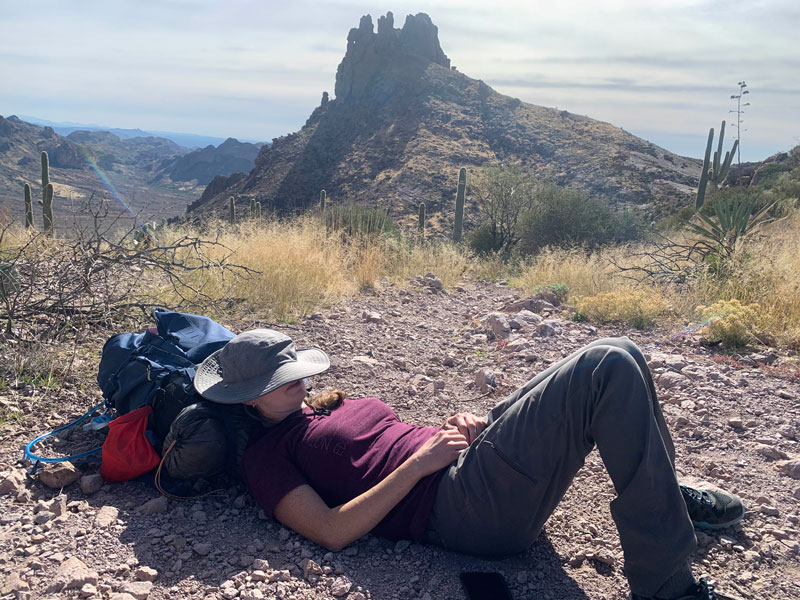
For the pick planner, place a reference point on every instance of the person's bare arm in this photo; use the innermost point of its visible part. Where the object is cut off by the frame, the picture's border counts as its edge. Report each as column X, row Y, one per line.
column 305, row 512
column 469, row 425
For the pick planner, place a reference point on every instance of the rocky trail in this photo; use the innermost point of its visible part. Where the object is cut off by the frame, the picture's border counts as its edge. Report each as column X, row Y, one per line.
column 428, row 353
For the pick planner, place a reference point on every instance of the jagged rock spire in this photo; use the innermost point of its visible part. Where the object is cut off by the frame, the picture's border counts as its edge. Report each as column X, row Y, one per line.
column 369, row 53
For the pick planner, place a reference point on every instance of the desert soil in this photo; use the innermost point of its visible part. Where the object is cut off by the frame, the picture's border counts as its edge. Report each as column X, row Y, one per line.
column 427, row 353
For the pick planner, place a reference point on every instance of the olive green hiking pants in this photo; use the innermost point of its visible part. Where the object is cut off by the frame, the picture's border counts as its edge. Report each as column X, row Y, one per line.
column 496, row 497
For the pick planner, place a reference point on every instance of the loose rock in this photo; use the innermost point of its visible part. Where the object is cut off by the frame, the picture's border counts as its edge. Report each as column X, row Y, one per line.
column 59, row 475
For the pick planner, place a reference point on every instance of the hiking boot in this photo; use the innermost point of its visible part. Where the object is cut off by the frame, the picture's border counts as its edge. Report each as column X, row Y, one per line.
column 712, row 509
column 702, row 590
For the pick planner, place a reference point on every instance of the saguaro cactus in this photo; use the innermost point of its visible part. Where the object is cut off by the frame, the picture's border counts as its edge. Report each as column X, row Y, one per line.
column 47, row 210
column 701, row 187
column 232, row 208
column 721, row 166
column 28, row 207
column 716, row 169
column 47, row 196
column 45, row 172
column 258, row 211
column 323, row 200
column 421, row 222
column 459, row 220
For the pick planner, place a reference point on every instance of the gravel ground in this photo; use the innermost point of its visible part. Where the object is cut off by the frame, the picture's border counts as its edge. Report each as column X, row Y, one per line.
column 427, row 353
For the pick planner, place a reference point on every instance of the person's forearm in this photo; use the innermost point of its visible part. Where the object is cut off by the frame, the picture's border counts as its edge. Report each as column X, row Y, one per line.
column 303, row 510
column 359, row 516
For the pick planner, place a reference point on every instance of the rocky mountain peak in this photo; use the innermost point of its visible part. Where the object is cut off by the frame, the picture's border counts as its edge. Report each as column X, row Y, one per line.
column 373, row 55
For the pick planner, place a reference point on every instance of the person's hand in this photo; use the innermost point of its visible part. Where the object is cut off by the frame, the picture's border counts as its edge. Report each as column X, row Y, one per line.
column 467, row 425
column 439, row 451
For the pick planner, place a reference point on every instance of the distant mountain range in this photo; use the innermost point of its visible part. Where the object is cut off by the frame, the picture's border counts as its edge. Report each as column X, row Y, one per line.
column 404, row 121
column 154, row 176
column 187, row 140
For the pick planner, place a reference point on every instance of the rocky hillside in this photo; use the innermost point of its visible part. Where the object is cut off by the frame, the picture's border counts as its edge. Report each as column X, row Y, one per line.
column 76, row 161
column 109, row 149
column 231, row 156
column 404, row 120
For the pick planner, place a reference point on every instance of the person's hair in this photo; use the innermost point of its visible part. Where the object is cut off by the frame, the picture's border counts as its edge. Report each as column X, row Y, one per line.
column 326, row 401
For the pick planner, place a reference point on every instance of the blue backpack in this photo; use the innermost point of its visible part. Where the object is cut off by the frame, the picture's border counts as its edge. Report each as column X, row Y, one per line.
column 154, row 369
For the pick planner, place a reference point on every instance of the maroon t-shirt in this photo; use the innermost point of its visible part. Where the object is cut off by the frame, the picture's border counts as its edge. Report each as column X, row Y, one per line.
column 342, row 455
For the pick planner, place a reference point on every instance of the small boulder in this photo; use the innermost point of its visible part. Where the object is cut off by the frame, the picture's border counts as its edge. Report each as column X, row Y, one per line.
column 107, row 515
column 138, row 589
column 341, row 586
column 13, row 585
column 498, row 324
column 791, row 468
column 372, row 317
column 545, row 330
column 91, row 484
column 72, row 574
column 154, row 506
column 485, row 380
column 432, row 281
column 145, row 574
column 59, row 475
column 12, row 483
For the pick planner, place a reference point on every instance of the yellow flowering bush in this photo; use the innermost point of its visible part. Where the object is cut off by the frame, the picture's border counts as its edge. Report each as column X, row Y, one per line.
column 637, row 308
column 734, row 324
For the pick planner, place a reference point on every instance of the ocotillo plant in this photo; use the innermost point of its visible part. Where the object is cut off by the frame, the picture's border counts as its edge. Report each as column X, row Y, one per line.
column 718, row 169
column 28, row 207
column 47, row 210
column 421, row 222
column 232, row 208
column 459, row 220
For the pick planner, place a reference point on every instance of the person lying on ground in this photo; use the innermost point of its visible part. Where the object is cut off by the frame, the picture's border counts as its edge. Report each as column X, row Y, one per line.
column 478, row 485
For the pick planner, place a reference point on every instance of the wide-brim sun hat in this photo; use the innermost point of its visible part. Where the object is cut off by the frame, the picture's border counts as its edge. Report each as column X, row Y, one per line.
column 255, row 363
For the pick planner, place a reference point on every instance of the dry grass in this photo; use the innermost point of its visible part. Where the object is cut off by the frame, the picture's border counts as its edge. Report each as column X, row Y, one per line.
column 585, row 274
column 447, row 261
column 764, row 271
column 298, row 266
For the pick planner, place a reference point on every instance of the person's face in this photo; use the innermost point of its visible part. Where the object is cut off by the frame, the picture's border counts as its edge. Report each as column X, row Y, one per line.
column 279, row 404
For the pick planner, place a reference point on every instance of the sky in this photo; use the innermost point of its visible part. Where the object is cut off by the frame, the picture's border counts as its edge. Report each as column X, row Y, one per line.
column 662, row 69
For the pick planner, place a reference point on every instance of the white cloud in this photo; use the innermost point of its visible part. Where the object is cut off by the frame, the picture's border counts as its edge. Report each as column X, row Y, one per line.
column 254, row 68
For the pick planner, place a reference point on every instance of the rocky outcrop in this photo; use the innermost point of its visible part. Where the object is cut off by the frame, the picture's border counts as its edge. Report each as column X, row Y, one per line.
column 403, row 122
column 371, row 55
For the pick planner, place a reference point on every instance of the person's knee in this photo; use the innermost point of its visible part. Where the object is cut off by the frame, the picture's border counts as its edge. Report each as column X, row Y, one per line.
column 614, row 358
column 624, row 343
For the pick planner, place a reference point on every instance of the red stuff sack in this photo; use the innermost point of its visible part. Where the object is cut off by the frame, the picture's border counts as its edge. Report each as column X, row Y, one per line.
column 126, row 451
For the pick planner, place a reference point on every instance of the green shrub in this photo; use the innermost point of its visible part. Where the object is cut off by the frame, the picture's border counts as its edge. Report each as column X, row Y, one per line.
column 559, row 290
column 352, row 220
column 566, row 218
column 481, row 241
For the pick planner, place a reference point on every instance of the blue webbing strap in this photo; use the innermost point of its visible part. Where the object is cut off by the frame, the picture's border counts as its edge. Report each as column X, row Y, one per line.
column 37, row 460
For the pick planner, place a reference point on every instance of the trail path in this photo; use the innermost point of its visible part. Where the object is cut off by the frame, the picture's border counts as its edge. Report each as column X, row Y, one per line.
column 428, row 354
